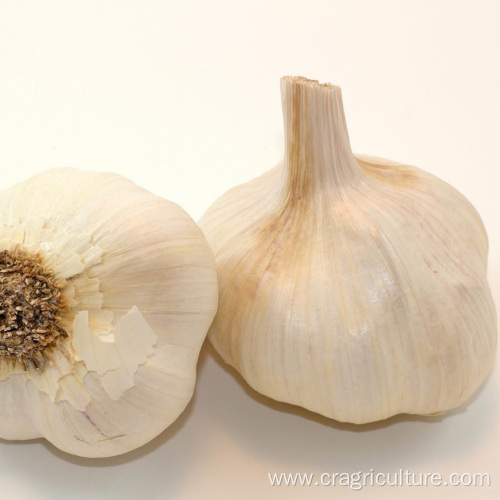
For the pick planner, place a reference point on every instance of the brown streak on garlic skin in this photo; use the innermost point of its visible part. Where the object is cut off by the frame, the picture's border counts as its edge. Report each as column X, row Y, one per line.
column 402, row 176
column 30, row 309
column 298, row 151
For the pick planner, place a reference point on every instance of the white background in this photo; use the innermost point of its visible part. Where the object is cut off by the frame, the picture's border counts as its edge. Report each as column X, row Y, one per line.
column 183, row 98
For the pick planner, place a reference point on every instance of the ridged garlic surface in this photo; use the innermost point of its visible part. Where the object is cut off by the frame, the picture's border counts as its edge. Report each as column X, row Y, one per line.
column 354, row 287
column 106, row 296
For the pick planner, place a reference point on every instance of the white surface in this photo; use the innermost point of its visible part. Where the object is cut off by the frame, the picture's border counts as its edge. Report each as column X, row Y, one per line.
column 183, row 98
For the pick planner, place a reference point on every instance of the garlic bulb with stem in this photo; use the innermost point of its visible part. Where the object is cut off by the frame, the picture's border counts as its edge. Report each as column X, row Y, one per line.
column 106, row 295
column 354, row 287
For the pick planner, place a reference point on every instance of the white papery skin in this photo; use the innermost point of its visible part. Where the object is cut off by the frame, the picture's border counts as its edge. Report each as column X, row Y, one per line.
column 351, row 286
column 142, row 287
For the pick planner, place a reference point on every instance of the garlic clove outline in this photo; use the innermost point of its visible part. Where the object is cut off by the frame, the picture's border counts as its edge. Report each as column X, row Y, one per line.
column 354, row 287
column 131, row 268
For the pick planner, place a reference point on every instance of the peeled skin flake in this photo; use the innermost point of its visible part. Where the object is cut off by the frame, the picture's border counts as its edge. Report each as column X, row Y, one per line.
column 352, row 286
column 106, row 296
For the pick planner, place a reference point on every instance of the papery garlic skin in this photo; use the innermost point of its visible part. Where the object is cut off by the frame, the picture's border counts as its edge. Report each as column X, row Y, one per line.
column 140, row 283
column 351, row 286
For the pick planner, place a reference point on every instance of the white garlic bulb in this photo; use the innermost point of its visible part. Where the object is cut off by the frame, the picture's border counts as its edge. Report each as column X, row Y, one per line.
column 354, row 287
column 106, row 295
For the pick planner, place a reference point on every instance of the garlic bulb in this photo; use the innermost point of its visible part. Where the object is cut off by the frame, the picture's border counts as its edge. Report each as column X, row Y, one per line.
column 354, row 287
column 106, row 295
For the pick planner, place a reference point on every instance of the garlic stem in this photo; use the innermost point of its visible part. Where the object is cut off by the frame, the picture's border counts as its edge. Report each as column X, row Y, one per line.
column 318, row 154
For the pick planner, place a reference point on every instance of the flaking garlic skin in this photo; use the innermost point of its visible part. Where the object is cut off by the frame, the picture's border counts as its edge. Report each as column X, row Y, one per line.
column 106, row 296
column 352, row 286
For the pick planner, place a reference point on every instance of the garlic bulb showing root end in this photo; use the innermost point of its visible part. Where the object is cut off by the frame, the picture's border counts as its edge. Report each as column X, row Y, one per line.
column 351, row 286
column 106, row 296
